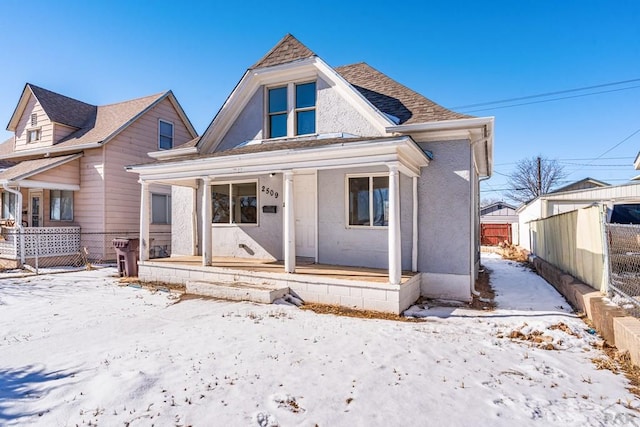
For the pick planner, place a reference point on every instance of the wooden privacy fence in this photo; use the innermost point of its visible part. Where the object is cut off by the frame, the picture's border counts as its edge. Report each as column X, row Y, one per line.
column 494, row 234
column 574, row 242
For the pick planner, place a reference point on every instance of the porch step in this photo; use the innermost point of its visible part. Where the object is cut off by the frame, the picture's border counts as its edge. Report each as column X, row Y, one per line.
column 237, row 291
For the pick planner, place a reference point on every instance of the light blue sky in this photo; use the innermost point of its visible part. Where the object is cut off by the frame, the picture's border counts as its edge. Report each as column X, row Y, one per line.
column 456, row 53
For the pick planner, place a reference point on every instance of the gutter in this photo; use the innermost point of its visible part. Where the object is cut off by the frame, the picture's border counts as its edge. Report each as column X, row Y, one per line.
column 444, row 125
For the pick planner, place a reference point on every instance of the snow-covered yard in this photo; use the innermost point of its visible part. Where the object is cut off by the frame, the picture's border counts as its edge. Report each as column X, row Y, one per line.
column 76, row 348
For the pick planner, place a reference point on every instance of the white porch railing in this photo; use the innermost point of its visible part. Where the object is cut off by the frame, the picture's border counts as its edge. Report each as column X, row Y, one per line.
column 39, row 241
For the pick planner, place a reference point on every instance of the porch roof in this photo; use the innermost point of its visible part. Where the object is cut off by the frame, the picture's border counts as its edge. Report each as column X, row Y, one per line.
column 18, row 174
column 289, row 154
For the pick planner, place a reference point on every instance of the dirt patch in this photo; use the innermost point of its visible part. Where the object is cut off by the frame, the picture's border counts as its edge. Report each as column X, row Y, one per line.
column 152, row 286
column 538, row 338
column 620, row 361
column 487, row 295
column 352, row 312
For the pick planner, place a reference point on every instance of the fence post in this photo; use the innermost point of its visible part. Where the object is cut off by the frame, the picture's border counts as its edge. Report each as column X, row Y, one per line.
column 37, row 251
column 605, row 250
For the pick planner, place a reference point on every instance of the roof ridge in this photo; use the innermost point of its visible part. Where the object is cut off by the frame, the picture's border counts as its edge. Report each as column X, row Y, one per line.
column 32, row 86
column 288, row 49
column 155, row 95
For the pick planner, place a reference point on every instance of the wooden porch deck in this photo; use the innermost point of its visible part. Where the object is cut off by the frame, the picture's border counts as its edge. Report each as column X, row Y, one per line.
column 304, row 266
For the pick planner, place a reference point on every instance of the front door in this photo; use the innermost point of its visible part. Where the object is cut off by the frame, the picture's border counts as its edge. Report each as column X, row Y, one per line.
column 304, row 206
column 35, row 209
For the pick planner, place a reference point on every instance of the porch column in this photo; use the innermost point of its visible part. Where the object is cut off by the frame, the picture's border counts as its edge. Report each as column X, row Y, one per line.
column 414, row 244
column 395, row 259
column 289, row 225
column 144, row 221
column 206, row 221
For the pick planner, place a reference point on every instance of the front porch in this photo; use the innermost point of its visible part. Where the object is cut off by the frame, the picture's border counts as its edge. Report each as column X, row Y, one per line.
column 356, row 287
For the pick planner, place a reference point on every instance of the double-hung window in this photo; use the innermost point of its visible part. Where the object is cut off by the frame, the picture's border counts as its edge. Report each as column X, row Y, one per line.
column 33, row 135
column 61, row 205
column 234, row 203
column 160, row 208
column 8, row 205
column 297, row 113
column 165, row 135
column 368, row 203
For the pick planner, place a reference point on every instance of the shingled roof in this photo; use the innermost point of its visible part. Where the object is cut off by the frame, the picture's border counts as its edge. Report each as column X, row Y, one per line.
column 393, row 98
column 108, row 119
column 288, row 49
column 62, row 109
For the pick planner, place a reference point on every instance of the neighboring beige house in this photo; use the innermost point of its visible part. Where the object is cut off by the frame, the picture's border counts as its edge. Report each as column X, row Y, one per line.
column 64, row 166
column 339, row 183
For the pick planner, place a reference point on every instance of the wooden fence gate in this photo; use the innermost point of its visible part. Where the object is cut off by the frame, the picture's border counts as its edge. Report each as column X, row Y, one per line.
column 494, row 234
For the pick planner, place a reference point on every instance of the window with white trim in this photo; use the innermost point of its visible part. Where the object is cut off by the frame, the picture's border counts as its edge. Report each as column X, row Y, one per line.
column 234, row 203
column 33, row 135
column 302, row 111
column 160, row 208
column 368, row 204
column 8, row 205
column 61, row 205
column 165, row 135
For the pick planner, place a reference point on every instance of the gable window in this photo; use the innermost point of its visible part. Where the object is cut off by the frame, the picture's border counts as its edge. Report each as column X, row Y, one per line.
column 277, row 112
column 61, row 205
column 160, row 208
column 165, row 135
column 235, row 203
column 33, row 135
column 34, row 120
column 368, row 201
column 305, row 108
column 8, row 205
column 299, row 108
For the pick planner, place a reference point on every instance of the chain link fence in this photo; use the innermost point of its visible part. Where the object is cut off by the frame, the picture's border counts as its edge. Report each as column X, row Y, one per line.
column 623, row 250
column 46, row 249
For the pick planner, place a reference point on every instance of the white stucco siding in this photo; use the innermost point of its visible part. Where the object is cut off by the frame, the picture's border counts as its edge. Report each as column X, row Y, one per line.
column 183, row 221
column 444, row 197
column 354, row 246
column 334, row 114
column 248, row 125
column 261, row 241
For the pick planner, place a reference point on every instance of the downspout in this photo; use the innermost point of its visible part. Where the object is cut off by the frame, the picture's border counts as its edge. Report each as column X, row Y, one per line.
column 18, row 218
column 472, row 264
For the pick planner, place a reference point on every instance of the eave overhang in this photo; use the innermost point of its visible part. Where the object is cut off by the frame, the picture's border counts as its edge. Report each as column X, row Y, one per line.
column 401, row 151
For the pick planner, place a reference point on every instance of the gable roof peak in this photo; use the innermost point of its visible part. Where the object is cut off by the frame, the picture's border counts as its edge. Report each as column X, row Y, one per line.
column 288, row 49
column 62, row 109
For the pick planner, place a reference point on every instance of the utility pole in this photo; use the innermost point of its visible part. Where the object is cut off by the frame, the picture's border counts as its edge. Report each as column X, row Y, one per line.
column 539, row 178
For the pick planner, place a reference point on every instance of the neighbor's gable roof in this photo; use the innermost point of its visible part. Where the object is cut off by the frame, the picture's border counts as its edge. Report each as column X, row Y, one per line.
column 102, row 124
column 288, row 49
column 393, row 98
column 59, row 108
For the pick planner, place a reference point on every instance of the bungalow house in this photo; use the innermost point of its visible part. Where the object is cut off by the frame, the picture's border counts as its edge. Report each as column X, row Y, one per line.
column 62, row 172
column 340, row 183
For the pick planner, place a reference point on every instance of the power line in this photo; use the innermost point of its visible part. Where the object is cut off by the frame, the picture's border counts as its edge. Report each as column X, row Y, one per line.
column 549, row 100
column 547, row 94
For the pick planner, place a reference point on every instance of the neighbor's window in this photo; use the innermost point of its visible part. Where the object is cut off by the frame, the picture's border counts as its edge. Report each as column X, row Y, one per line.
column 303, row 110
column 8, row 205
column 33, row 135
column 235, row 203
column 277, row 112
column 160, row 209
column 368, row 201
column 165, row 132
column 61, row 205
